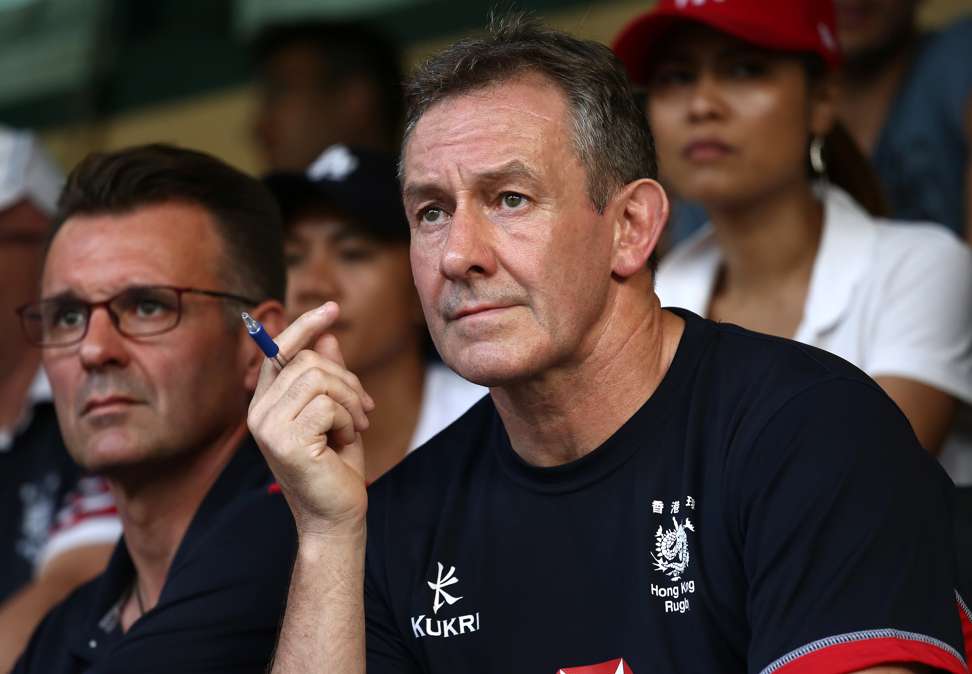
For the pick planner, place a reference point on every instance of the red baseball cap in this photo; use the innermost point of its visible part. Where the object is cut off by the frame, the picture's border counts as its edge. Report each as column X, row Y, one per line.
column 785, row 25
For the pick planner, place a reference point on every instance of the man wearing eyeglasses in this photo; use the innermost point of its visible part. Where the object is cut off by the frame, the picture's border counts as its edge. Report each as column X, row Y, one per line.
column 156, row 253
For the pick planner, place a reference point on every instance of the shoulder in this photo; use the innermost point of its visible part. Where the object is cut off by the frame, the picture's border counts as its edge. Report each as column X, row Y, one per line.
column 744, row 380
column 940, row 75
column 918, row 253
column 880, row 247
column 49, row 647
column 753, row 358
column 952, row 41
column 257, row 524
column 419, row 480
column 921, row 239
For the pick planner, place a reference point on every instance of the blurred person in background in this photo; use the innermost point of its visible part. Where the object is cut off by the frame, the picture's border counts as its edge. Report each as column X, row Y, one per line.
column 43, row 556
column 907, row 101
column 346, row 240
column 325, row 83
column 743, row 104
column 156, row 252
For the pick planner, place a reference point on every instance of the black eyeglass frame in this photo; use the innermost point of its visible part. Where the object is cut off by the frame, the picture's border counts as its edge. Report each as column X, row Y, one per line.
column 91, row 306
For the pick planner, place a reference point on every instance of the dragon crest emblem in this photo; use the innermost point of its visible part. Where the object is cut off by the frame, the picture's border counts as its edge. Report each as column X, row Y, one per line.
column 671, row 549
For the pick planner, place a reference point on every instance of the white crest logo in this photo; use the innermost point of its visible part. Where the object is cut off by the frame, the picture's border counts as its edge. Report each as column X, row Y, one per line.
column 440, row 594
column 336, row 163
column 671, row 549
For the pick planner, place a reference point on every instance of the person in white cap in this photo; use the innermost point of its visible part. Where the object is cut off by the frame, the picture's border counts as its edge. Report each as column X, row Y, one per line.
column 57, row 527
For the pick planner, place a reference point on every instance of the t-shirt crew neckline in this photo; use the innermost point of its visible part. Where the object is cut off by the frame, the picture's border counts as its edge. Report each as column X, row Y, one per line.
column 636, row 433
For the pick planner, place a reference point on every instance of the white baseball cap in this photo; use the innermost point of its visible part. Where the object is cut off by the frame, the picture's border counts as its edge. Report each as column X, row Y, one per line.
column 27, row 172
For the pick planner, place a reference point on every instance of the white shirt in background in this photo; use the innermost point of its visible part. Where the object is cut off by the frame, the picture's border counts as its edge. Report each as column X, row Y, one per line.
column 893, row 299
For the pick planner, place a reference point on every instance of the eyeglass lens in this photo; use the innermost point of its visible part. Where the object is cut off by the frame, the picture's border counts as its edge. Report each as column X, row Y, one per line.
column 136, row 312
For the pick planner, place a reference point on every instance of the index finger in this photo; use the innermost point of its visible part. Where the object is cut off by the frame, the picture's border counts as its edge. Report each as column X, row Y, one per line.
column 301, row 334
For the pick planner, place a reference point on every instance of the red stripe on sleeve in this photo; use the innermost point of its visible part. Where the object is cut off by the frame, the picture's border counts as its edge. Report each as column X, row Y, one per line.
column 966, row 617
column 858, row 655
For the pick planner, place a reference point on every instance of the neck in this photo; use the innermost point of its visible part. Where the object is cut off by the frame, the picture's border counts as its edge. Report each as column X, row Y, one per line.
column 14, row 385
column 396, row 387
column 768, row 242
column 156, row 511
column 554, row 419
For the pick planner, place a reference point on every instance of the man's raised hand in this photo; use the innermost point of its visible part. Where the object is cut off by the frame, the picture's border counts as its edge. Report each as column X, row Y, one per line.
column 307, row 420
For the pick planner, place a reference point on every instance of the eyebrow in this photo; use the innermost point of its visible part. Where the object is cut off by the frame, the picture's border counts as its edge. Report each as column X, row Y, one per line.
column 512, row 170
column 64, row 295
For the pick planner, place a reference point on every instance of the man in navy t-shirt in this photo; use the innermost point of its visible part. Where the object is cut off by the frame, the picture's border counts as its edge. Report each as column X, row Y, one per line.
column 644, row 491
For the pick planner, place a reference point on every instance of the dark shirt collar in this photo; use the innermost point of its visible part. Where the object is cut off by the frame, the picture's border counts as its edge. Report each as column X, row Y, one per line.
column 246, row 470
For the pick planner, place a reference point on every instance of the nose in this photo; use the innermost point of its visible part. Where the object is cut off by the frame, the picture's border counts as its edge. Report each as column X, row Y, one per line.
column 468, row 249
column 706, row 100
column 103, row 345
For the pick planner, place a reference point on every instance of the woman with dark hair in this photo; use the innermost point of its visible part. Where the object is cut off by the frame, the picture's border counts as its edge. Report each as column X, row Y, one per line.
column 741, row 97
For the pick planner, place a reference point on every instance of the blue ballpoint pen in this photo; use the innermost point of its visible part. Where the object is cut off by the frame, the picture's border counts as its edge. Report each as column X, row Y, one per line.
column 264, row 341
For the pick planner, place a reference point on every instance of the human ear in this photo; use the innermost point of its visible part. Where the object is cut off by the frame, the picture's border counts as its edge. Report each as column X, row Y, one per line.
column 642, row 208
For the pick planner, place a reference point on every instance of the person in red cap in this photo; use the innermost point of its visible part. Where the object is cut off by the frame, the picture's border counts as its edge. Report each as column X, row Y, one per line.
column 743, row 103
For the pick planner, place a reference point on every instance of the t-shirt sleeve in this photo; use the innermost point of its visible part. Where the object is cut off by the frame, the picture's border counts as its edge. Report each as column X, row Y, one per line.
column 924, row 329
column 845, row 529
column 386, row 649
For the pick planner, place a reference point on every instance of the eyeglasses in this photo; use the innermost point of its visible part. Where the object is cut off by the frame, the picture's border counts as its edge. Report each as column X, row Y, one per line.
column 140, row 311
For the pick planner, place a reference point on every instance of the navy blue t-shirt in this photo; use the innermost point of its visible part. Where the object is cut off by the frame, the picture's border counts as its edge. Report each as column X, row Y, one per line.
column 768, row 509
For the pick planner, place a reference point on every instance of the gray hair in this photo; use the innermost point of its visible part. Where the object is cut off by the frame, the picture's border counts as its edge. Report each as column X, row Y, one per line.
column 610, row 131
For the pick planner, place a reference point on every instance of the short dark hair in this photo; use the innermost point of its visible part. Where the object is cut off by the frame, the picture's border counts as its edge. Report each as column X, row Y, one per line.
column 246, row 216
column 348, row 50
column 610, row 130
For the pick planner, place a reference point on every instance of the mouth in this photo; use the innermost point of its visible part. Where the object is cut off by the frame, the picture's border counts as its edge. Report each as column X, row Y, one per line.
column 706, row 150
column 106, row 404
column 479, row 310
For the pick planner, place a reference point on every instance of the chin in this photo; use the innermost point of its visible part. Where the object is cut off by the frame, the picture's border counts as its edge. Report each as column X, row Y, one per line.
column 108, row 451
column 493, row 364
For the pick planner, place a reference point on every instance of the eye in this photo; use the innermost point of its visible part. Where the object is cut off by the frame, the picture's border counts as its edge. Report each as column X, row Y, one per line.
column 512, row 200
column 355, row 253
column 430, row 215
column 149, row 308
column 293, row 258
column 147, row 303
column 68, row 317
column 746, row 68
column 671, row 75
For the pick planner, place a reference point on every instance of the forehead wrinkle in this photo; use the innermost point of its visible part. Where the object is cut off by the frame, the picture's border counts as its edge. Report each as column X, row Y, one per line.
column 448, row 123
